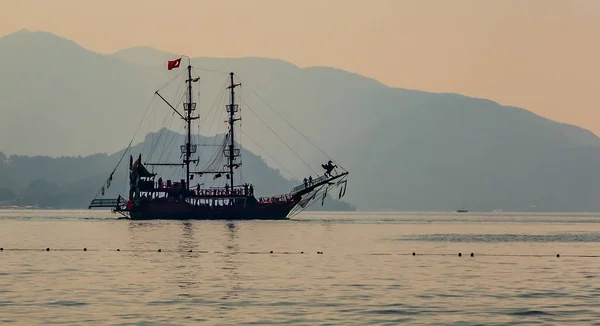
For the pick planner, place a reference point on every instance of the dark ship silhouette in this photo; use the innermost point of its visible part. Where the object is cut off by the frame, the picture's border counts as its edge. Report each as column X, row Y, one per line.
column 152, row 198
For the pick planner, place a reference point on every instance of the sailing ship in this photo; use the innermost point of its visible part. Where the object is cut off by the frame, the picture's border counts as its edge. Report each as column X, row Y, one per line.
column 150, row 197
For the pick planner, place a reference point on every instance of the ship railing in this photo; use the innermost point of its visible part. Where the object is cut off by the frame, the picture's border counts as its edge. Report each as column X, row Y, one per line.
column 309, row 184
column 105, row 203
column 215, row 192
column 276, row 199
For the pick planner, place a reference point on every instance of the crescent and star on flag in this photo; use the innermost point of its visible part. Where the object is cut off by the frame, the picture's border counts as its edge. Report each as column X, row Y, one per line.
column 174, row 64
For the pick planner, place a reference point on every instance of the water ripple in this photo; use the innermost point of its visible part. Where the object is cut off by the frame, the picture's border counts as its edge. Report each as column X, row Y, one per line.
column 345, row 286
column 67, row 303
column 496, row 238
column 528, row 313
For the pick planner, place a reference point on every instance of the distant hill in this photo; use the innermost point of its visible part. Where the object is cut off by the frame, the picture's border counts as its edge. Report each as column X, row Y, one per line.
column 72, row 182
column 405, row 149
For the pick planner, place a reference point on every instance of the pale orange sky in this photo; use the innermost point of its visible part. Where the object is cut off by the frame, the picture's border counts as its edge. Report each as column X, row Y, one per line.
column 543, row 55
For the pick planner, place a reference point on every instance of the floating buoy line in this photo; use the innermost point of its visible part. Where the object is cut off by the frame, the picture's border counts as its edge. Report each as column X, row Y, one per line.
column 272, row 252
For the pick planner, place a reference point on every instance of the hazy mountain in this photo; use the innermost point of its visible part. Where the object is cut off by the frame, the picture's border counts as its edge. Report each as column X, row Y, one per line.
column 405, row 149
column 53, row 89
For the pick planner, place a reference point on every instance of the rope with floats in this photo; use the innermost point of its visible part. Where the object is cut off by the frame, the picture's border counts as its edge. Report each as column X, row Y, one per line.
column 273, row 252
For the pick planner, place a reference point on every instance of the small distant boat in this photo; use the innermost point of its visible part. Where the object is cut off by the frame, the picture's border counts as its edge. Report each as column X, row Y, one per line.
column 464, row 204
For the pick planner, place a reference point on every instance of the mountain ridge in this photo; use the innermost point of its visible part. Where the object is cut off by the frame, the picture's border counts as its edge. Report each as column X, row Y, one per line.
column 405, row 149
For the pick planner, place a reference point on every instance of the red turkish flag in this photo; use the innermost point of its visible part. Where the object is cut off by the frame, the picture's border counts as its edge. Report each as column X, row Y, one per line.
column 174, row 64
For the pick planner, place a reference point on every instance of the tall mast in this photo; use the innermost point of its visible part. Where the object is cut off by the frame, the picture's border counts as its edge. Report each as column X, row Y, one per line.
column 232, row 108
column 188, row 144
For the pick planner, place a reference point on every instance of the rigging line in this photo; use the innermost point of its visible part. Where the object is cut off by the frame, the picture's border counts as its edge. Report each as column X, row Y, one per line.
column 274, row 159
column 216, row 159
column 149, row 141
column 128, row 146
column 167, row 143
column 125, row 180
column 195, row 137
column 152, row 126
column 314, row 200
column 286, row 144
column 220, row 94
column 156, row 143
column 212, row 162
column 175, row 135
column 172, row 135
column 218, row 98
column 144, row 144
column 174, row 172
column 241, row 173
column 211, row 70
column 211, row 114
column 168, row 120
column 181, row 99
column 170, row 81
column 287, row 121
column 179, row 94
column 217, row 114
column 170, row 144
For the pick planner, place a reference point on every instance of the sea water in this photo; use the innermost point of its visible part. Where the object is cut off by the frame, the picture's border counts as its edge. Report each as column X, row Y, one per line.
column 325, row 269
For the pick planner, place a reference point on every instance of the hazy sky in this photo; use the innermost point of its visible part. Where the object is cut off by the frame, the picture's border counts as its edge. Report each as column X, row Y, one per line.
column 543, row 55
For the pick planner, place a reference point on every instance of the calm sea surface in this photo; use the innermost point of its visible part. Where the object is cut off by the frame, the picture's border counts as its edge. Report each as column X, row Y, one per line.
column 366, row 275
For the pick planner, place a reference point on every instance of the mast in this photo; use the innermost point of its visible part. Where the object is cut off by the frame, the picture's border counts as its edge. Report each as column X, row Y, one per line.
column 188, row 144
column 188, row 148
column 232, row 108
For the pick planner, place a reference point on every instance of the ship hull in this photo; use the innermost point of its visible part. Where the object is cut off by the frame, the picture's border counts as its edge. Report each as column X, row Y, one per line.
column 185, row 211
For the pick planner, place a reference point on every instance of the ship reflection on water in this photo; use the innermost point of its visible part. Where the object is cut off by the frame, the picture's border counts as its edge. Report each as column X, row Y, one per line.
column 230, row 267
column 187, row 244
column 193, row 265
column 187, row 248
